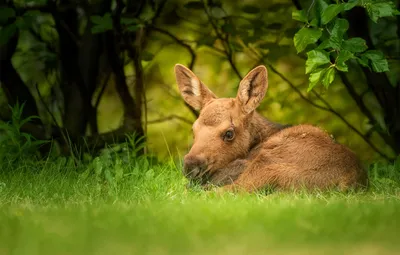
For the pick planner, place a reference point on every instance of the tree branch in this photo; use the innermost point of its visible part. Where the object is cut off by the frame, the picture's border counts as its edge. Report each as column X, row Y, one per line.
column 170, row 117
column 101, row 92
column 377, row 82
column 224, row 41
column 132, row 117
column 189, row 49
column 180, row 42
column 357, row 98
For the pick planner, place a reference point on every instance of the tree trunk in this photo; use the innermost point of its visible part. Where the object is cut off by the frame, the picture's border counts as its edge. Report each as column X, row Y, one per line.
column 76, row 98
column 132, row 115
column 13, row 86
column 90, row 51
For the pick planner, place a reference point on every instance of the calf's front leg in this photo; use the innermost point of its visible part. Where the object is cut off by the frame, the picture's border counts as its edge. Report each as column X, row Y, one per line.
column 226, row 175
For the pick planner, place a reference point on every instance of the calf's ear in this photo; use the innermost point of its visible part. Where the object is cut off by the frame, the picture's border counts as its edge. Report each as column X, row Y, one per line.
column 252, row 89
column 193, row 91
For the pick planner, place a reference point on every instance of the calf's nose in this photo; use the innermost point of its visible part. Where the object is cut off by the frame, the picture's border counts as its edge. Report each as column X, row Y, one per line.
column 193, row 166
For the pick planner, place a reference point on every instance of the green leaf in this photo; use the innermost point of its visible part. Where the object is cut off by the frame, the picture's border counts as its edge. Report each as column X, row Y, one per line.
column 326, row 44
column 377, row 61
column 339, row 30
column 128, row 21
column 331, row 12
column 102, row 23
column 363, row 61
column 315, row 58
column 133, row 28
column 350, row 5
column 299, row 15
column 320, row 6
column 340, row 63
column 5, row 14
column 197, row 5
column 304, row 37
column 96, row 19
column 314, row 23
column 250, row 9
column 218, row 13
column 315, row 78
column 379, row 10
column 7, row 32
column 328, row 77
column 385, row 9
column 355, row 45
column 97, row 29
column 105, row 20
column 147, row 56
column 30, row 17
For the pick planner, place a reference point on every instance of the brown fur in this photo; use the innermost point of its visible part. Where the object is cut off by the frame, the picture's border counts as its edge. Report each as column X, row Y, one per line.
column 260, row 153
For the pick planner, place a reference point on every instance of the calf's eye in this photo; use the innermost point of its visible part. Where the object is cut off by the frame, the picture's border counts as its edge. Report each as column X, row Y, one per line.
column 229, row 135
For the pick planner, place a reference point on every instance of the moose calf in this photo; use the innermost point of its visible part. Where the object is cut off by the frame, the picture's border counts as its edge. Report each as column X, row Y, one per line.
column 236, row 148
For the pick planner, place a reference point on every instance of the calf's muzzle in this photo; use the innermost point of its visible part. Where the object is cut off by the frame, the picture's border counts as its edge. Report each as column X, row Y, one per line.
column 193, row 166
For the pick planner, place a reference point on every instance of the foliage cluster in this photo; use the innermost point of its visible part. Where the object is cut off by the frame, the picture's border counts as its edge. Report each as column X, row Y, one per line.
column 335, row 48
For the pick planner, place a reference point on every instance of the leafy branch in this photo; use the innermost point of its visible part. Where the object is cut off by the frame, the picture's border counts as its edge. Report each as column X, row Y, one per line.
column 330, row 56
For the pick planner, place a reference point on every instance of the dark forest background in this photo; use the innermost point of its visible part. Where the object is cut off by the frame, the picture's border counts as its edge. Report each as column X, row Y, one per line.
column 95, row 71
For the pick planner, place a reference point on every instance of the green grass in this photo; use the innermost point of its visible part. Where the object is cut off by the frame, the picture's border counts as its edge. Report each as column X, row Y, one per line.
column 123, row 205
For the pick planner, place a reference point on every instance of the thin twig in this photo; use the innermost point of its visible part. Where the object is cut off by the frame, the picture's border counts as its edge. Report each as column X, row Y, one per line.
column 357, row 98
column 46, row 107
column 190, row 50
column 180, row 42
column 170, row 117
column 60, row 129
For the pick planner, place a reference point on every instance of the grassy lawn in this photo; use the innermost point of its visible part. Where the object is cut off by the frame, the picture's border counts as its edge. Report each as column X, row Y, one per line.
column 133, row 206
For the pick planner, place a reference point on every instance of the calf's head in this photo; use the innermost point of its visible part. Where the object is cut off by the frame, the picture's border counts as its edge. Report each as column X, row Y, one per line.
column 222, row 131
